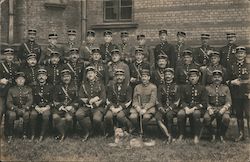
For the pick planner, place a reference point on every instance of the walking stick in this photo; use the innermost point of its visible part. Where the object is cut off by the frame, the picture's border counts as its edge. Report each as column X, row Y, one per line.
column 140, row 116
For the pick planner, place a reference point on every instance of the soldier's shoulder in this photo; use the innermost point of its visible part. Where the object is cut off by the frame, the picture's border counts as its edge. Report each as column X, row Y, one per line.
column 152, row 85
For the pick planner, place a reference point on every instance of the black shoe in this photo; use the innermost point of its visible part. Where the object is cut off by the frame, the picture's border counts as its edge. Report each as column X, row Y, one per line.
column 240, row 138
column 85, row 138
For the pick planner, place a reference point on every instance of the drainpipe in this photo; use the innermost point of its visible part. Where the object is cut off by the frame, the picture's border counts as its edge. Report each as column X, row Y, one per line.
column 11, row 21
column 83, row 19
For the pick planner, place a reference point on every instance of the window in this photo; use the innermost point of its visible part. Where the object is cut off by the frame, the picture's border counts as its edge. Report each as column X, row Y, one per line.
column 55, row 3
column 117, row 10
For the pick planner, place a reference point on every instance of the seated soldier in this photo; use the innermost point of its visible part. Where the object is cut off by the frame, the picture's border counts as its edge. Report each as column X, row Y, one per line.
column 119, row 98
column 168, row 106
column 19, row 101
column 42, row 94
column 144, row 100
column 93, row 97
column 193, row 104
column 65, row 103
column 219, row 102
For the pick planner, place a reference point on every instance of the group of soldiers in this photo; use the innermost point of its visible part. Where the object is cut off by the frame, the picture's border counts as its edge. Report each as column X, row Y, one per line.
column 123, row 85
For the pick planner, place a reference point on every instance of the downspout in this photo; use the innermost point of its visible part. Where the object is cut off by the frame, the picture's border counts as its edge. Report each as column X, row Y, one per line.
column 11, row 22
column 83, row 19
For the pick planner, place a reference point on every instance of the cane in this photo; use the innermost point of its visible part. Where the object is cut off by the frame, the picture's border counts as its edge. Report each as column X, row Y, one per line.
column 140, row 116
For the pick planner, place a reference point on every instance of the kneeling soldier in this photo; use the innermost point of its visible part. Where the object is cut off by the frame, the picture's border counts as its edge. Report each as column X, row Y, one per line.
column 93, row 97
column 42, row 93
column 118, row 102
column 219, row 102
column 193, row 102
column 168, row 98
column 19, row 101
column 65, row 102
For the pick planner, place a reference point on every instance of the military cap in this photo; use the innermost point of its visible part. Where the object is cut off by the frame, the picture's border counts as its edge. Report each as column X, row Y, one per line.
column 231, row 34
column 91, row 33
column 124, row 33
column 181, row 33
column 74, row 50
column 217, row 72
column 42, row 70
column 32, row 31
column 54, row 53
column 139, row 50
column 95, row 50
column 145, row 72
column 90, row 68
column 139, row 36
column 119, row 72
column 65, row 72
column 162, row 56
column 71, row 32
column 205, row 36
column 194, row 71
column 8, row 51
column 107, row 32
column 169, row 70
column 214, row 53
column 240, row 49
column 31, row 55
column 53, row 35
column 187, row 52
column 115, row 50
column 19, row 74
column 163, row 31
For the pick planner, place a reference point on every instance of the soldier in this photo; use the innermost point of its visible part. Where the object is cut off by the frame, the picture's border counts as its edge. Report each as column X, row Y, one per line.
column 228, row 52
column 119, row 99
column 43, row 97
column 86, row 47
column 168, row 96
column 165, row 48
column 239, row 85
column 137, row 66
column 76, row 68
column 65, row 104
column 19, row 101
column 54, row 67
column 71, row 42
column 144, row 100
column 125, row 48
column 53, row 46
column 193, row 104
column 30, row 46
column 181, row 73
column 117, row 63
column 214, row 64
column 158, row 74
column 219, row 102
column 107, row 46
column 201, row 54
column 31, row 70
column 93, row 97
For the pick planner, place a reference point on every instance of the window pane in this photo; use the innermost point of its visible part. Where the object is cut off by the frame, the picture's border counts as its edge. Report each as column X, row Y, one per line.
column 126, row 13
column 126, row 2
column 110, row 3
column 111, row 14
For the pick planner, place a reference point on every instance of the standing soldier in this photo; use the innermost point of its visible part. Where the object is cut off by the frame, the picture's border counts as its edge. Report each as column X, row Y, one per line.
column 30, row 46
column 71, row 43
column 214, row 64
column 201, row 54
column 165, row 48
column 228, row 52
column 125, row 48
column 119, row 98
column 181, row 73
column 86, row 47
column 137, row 66
column 219, row 102
column 65, row 103
column 43, row 97
column 31, row 70
column 107, row 47
column 93, row 97
column 19, row 101
column 239, row 85
column 169, row 99
column 193, row 104
column 144, row 100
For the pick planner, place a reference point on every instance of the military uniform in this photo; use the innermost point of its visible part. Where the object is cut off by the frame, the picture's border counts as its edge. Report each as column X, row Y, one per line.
column 126, row 49
column 158, row 76
column 218, row 97
column 70, row 44
column 31, row 72
column 19, row 102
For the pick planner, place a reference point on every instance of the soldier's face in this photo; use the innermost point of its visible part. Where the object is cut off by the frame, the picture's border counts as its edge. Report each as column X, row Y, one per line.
column 193, row 78
column 142, row 41
column 74, row 57
column 162, row 63
column 231, row 40
column 42, row 78
column 139, row 56
column 31, row 36
column 120, row 78
column 124, row 39
column 215, row 60
column 90, row 39
column 54, row 60
column 217, row 79
column 66, row 78
column 163, row 37
column 241, row 55
column 71, row 37
column 20, row 81
column 187, row 59
column 91, row 75
column 116, row 57
column 32, row 61
column 107, row 38
column 181, row 39
column 145, row 79
column 9, row 57
column 53, row 41
column 169, row 76
column 96, row 56
column 204, row 41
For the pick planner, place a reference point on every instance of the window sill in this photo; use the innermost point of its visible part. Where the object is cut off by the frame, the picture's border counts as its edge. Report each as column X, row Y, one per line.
column 117, row 25
column 55, row 5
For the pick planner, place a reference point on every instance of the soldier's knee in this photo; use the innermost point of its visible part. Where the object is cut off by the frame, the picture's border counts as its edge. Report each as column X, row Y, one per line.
column 133, row 116
column 97, row 117
column 207, row 119
column 196, row 114
column 146, row 117
column 46, row 115
column 33, row 115
column 108, row 116
column 80, row 114
column 226, row 119
column 170, row 115
column 11, row 116
column 26, row 116
column 120, row 115
column 68, row 118
column 181, row 114
column 56, row 117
